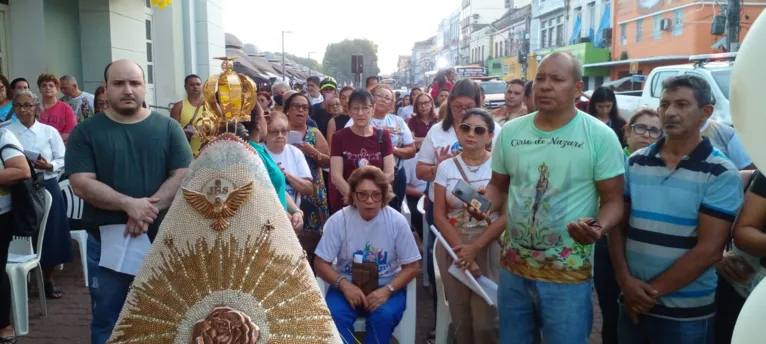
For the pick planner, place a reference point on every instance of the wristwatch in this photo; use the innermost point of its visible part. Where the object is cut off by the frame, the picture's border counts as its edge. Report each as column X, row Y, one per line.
column 390, row 288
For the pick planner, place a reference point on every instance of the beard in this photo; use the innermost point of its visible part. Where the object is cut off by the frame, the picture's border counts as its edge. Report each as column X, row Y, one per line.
column 127, row 110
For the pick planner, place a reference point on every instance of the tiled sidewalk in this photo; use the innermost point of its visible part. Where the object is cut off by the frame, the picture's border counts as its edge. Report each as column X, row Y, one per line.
column 68, row 318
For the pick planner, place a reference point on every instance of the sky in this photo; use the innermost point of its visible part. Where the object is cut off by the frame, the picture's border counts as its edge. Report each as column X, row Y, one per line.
column 394, row 25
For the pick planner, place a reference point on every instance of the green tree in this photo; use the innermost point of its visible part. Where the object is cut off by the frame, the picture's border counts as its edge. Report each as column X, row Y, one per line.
column 304, row 61
column 337, row 58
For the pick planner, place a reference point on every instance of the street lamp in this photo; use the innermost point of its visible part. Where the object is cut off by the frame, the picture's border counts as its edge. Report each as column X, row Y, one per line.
column 283, row 53
column 310, row 52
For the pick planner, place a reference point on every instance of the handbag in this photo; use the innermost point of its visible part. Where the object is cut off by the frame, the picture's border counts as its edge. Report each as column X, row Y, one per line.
column 363, row 275
column 309, row 239
column 28, row 201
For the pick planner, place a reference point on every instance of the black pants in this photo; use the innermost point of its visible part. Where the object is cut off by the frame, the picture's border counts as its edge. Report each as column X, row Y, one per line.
column 6, row 223
column 400, row 189
column 728, row 303
column 607, row 291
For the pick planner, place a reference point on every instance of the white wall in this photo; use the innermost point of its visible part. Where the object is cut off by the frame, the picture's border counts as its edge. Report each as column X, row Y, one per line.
column 210, row 38
column 27, row 49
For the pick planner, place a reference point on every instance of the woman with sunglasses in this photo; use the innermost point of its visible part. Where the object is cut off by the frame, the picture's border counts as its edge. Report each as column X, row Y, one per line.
column 317, row 153
column 642, row 130
column 441, row 143
column 477, row 321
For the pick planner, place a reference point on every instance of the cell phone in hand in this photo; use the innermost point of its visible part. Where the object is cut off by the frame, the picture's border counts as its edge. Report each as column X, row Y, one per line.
column 295, row 138
column 466, row 193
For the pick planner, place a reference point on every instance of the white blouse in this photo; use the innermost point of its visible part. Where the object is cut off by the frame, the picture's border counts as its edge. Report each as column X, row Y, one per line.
column 43, row 139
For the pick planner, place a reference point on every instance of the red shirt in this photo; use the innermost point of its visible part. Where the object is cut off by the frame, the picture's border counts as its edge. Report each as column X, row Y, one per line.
column 435, row 88
column 418, row 128
column 357, row 151
column 59, row 116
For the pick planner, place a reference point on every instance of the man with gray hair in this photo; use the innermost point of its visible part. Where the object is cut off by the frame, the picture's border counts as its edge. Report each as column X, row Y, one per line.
column 80, row 102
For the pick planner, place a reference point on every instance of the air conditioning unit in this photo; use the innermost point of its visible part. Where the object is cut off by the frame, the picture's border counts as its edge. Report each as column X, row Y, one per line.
column 718, row 27
column 665, row 24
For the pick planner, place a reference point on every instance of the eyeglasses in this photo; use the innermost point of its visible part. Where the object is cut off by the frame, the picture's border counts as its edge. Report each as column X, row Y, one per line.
column 334, row 106
column 24, row 106
column 478, row 130
column 299, row 107
column 460, row 109
column 642, row 129
column 357, row 109
column 363, row 196
column 282, row 132
column 423, row 103
column 383, row 97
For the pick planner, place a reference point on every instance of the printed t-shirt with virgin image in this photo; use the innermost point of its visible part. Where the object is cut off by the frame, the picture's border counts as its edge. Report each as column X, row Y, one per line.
column 553, row 182
column 385, row 240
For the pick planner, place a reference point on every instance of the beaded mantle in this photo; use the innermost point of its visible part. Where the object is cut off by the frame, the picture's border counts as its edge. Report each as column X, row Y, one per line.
column 245, row 284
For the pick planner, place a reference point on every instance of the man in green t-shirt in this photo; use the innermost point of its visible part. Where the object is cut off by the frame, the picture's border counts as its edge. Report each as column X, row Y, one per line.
column 126, row 164
column 559, row 175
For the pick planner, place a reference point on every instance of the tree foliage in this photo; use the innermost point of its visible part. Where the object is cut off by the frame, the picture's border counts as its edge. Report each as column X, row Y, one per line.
column 304, row 61
column 337, row 58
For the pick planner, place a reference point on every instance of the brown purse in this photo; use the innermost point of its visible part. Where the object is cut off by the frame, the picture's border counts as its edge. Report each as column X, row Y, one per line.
column 363, row 275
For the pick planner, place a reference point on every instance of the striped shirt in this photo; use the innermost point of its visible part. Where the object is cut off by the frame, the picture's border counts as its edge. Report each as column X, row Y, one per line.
column 664, row 210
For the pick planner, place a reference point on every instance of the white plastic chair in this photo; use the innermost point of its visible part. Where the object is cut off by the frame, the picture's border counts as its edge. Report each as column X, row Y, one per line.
column 405, row 331
column 17, row 273
column 74, row 206
column 443, row 316
column 407, row 213
column 426, row 240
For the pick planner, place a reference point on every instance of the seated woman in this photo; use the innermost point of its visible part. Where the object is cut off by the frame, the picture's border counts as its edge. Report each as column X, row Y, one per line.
column 367, row 227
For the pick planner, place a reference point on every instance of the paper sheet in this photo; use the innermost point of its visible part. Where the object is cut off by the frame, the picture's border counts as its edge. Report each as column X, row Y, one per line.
column 31, row 155
column 482, row 286
column 122, row 254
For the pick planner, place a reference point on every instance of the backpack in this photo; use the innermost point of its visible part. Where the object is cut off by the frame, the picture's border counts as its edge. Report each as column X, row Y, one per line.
column 28, row 201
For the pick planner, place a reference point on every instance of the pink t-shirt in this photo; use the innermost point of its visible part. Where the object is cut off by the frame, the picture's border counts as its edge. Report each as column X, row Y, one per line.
column 59, row 116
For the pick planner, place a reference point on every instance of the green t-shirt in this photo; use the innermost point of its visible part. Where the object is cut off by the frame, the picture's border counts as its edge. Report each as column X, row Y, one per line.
column 133, row 159
column 553, row 182
column 275, row 173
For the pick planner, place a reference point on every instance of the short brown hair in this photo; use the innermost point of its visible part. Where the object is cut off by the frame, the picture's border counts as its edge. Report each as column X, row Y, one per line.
column 641, row 112
column 45, row 77
column 373, row 174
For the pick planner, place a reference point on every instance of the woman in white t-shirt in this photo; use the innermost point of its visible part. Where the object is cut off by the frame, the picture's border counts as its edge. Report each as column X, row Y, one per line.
column 289, row 158
column 367, row 231
column 13, row 169
column 472, row 165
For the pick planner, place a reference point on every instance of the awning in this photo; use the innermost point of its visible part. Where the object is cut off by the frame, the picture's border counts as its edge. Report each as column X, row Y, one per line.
column 645, row 59
column 243, row 64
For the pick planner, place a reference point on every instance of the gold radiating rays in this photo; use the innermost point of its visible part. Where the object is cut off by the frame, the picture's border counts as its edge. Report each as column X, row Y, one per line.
column 271, row 288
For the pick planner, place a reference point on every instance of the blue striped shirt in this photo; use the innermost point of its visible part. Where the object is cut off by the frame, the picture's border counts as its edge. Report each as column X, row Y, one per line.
column 665, row 206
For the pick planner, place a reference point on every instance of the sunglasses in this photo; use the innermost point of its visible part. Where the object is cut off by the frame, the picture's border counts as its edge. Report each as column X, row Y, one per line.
column 466, row 128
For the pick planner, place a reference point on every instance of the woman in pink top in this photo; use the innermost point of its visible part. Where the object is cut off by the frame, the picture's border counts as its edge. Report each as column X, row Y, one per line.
column 55, row 113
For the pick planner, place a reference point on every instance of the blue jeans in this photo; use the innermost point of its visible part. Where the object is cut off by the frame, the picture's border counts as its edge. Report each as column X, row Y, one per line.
column 656, row 330
column 108, row 291
column 380, row 322
column 561, row 312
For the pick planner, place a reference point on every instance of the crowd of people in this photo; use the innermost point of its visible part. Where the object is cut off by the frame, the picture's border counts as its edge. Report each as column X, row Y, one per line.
column 651, row 212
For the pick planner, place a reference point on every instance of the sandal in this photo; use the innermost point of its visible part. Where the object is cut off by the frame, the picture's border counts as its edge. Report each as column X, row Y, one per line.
column 52, row 291
column 9, row 339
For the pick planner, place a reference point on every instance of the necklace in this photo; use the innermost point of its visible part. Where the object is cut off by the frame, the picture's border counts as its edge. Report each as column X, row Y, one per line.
column 476, row 168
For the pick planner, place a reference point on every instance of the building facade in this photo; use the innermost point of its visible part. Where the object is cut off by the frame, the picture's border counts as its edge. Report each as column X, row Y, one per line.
column 655, row 33
column 548, row 25
column 421, row 61
column 473, row 15
column 587, row 21
column 80, row 37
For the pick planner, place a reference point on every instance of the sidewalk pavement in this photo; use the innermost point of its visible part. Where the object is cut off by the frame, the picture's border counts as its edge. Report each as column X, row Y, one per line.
column 69, row 317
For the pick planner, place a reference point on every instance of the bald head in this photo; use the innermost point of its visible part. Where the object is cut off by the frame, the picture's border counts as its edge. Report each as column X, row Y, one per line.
column 122, row 63
column 566, row 60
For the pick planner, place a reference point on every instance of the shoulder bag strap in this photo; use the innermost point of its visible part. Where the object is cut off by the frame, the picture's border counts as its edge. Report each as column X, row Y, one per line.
column 460, row 168
column 196, row 111
column 31, row 167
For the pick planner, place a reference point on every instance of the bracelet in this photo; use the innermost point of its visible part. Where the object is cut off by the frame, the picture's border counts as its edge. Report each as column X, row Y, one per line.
column 337, row 281
column 297, row 211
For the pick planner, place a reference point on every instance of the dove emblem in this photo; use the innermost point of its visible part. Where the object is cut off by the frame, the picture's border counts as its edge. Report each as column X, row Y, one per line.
column 221, row 201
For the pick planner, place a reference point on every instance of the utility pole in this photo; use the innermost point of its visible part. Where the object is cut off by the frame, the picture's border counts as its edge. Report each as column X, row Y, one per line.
column 732, row 21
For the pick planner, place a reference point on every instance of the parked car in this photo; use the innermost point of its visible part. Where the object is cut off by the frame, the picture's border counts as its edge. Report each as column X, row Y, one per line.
column 715, row 68
column 494, row 93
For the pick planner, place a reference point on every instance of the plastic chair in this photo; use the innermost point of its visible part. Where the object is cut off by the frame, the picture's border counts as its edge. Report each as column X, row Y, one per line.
column 443, row 316
column 426, row 240
column 74, row 206
column 407, row 213
column 405, row 331
column 17, row 273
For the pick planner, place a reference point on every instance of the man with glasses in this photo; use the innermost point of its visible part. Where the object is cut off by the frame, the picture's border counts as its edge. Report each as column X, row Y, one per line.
column 681, row 198
column 561, row 170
